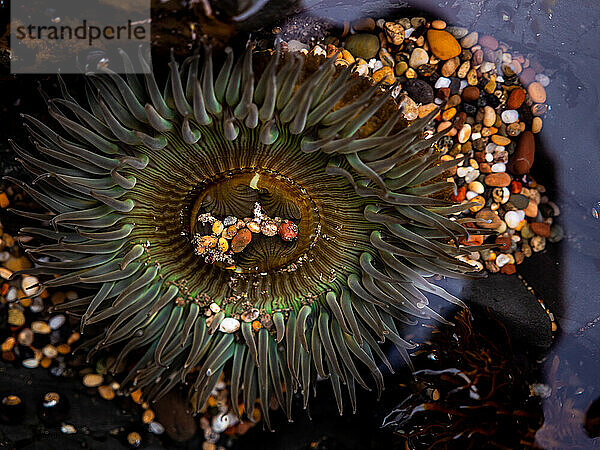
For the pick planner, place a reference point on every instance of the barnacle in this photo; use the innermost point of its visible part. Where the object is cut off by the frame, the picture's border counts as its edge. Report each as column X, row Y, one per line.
column 275, row 220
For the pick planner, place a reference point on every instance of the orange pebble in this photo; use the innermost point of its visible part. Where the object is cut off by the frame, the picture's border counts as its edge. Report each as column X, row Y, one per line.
column 4, row 202
column 474, row 239
column 136, row 396
column 256, row 325
column 63, row 349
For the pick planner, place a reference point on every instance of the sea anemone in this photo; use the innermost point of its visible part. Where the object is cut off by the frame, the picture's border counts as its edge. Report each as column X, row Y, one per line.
column 275, row 221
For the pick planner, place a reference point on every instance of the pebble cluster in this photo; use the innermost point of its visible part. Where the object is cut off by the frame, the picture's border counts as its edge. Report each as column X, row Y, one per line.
column 232, row 235
column 492, row 104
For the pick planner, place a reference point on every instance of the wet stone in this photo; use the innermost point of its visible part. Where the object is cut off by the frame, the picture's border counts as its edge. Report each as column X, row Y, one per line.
column 420, row 91
column 501, row 179
column 418, row 57
column 362, row 45
column 522, row 160
column 536, row 92
column 394, row 32
column 443, row 45
column 241, row 240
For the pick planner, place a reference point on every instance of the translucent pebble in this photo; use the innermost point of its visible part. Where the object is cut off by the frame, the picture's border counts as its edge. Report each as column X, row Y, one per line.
column 510, row 116
column 57, row 321
column 543, row 79
column 30, row 363
column 499, row 167
column 156, row 428
column 442, row 82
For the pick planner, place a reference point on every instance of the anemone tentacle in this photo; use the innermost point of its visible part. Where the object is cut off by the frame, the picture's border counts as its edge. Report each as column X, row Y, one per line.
column 134, row 172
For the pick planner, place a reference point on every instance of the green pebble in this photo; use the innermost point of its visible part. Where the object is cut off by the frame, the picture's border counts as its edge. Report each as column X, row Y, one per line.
column 400, row 68
column 362, row 45
column 527, row 232
column 519, row 201
column 556, row 233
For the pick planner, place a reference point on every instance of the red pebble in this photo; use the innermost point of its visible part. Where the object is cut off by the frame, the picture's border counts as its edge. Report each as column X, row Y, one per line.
column 508, row 269
column 515, row 187
column 443, row 93
column 516, row 99
column 540, row 228
column 460, row 194
column 504, row 243
column 522, row 159
column 288, row 230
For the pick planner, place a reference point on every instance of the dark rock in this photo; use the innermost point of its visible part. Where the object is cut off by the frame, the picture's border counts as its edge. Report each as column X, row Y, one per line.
column 419, row 91
column 454, row 85
column 172, row 412
column 471, row 110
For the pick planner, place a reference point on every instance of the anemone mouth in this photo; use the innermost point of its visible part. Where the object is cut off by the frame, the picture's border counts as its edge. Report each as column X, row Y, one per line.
column 281, row 218
column 278, row 222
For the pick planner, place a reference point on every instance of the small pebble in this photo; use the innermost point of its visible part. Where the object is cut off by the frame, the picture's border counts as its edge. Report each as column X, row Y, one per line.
column 229, row 325
column 92, row 380
column 510, row 116
column 536, row 92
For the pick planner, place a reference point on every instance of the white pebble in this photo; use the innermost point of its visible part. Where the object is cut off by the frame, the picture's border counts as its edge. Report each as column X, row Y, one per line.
column 475, row 136
column 489, row 157
column 471, row 194
column 513, row 218
column 156, row 428
column 471, row 176
column 319, row 51
column 499, row 167
column 229, row 325
column 11, row 295
column 362, row 70
column 486, row 67
column 544, row 80
column 510, row 116
column 462, row 171
column 30, row 363
column 56, row 322
column 438, row 101
column 442, row 82
column 408, row 32
column 220, row 423
column 463, row 84
column 4, row 256
column 502, row 260
column 500, row 79
column 376, row 65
